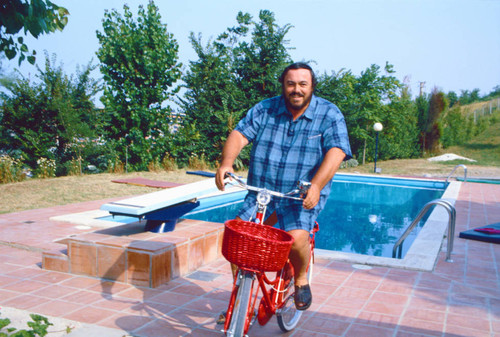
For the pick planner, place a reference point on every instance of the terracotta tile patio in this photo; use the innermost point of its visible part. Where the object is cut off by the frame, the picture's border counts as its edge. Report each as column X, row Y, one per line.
column 456, row 299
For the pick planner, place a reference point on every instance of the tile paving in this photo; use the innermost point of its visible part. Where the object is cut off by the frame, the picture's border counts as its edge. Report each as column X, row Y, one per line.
column 456, row 299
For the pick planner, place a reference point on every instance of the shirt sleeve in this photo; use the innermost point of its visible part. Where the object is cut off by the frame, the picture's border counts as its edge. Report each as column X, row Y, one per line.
column 249, row 125
column 336, row 134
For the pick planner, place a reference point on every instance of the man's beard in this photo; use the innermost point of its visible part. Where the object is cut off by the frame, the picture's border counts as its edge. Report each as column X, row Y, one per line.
column 297, row 106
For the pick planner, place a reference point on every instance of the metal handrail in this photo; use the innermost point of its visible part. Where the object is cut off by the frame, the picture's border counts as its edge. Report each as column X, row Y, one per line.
column 451, row 227
column 455, row 168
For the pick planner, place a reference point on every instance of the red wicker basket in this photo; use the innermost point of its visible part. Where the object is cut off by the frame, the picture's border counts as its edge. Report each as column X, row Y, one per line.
column 254, row 246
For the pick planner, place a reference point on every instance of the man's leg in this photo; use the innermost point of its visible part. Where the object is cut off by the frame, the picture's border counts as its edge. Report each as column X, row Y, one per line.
column 299, row 257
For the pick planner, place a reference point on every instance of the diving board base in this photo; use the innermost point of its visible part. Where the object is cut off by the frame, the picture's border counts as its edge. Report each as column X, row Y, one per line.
column 142, row 258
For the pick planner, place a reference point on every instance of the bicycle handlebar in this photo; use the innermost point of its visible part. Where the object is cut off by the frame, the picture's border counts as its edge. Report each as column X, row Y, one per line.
column 302, row 187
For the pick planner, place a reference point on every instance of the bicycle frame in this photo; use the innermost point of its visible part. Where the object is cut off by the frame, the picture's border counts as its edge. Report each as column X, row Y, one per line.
column 274, row 292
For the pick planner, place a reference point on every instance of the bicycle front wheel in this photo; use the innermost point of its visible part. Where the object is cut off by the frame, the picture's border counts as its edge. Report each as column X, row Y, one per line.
column 240, row 320
column 288, row 316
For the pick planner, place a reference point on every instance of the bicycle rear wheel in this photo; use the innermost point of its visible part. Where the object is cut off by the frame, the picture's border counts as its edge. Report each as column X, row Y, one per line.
column 288, row 316
column 240, row 320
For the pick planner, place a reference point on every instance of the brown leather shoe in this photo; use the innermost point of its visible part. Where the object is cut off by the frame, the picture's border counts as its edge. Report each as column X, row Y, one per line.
column 303, row 297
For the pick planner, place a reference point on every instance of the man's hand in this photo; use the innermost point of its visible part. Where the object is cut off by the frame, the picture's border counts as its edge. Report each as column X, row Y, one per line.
column 312, row 197
column 235, row 142
column 220, row 175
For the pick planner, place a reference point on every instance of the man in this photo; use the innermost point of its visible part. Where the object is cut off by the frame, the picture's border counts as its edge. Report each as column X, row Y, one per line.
column 295, row 136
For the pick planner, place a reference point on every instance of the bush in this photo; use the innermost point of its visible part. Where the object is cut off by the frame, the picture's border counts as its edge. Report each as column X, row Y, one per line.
column 155, row 165
column 115, row 166
column 73, row 167
column 46, row 168
column 349, row 163
column 11, row 170
column 168, row 163
column 198, row 163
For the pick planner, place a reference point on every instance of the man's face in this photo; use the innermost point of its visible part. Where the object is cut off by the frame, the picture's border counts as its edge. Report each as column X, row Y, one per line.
column 297, row 89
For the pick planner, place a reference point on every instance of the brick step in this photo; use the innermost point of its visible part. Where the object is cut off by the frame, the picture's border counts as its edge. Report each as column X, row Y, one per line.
column 142, row 259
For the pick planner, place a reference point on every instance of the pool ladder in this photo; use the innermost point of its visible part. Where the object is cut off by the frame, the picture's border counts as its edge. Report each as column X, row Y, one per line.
column 455, row 168
column 452, row 214
column 397, row 249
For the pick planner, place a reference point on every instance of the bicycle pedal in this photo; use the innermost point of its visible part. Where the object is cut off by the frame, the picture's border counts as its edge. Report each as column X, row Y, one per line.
column 222, row 318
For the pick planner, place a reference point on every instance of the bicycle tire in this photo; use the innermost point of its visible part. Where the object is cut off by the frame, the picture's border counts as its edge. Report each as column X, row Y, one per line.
column 288, row 317
column 239, row 318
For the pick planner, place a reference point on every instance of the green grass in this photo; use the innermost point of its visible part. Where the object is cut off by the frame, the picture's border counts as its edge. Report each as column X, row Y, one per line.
column 484, row 148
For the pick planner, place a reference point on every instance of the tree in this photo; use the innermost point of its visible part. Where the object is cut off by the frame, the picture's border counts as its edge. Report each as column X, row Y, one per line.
column 433, row 131
column 47, row 119
column 452, row 98
column 234, row 72
column 139, row 62
column 422, row 111
column 259, row 63
column 212, row 103
column 363, row 100
column 35, row 16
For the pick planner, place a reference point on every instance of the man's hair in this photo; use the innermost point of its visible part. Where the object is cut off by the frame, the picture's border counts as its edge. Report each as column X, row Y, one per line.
column 298, row 65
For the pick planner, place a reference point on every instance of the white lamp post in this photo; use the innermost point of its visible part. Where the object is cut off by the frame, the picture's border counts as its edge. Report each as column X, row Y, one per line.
column 377, row 127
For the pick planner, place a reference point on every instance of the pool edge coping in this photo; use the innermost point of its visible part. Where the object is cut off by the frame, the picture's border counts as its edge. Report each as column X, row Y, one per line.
column 422, row 255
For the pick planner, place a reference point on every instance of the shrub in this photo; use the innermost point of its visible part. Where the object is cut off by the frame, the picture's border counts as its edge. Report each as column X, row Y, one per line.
column 10, row 170
column 115, row 166
column 349, row 163
column 154, row 165
column 168, row 163
column 73, row 167
column 198, row 163
column 46, row 168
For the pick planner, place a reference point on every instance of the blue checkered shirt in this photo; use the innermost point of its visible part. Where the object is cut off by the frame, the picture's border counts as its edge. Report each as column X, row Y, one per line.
column 285, row 151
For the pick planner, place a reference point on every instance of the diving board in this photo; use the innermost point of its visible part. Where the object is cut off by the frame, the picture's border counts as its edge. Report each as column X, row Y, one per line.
column 147, row 203
column 152, row 202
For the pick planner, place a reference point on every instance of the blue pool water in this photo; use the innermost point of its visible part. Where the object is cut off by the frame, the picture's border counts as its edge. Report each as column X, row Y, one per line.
column 363, row 215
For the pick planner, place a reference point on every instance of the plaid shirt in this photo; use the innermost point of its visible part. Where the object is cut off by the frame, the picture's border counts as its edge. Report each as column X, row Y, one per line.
column 285, row 151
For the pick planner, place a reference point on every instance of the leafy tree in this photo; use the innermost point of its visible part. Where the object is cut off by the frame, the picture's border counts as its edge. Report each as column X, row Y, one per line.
column 35, row 16
column 495, row 93
column 47, row 119
column 259, row 63
column 455, row 127
column 437, row 104
column 422, row 111
column 400, row 136
column 232, row 73
column 139, row 62
column 363, row 101
column 452, row 98
column 212, row 103
column 467, row 97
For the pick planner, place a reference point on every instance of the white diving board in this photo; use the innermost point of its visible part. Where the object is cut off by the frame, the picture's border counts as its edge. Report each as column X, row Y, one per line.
column 151, row 202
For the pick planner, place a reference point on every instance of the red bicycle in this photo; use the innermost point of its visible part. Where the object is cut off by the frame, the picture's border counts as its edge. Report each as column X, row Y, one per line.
column 256, row 249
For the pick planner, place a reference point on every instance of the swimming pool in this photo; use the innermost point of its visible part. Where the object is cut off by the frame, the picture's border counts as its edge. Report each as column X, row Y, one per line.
column 363, row 215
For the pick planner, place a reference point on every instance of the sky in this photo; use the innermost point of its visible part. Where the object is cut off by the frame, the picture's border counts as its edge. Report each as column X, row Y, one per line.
column 453, row 45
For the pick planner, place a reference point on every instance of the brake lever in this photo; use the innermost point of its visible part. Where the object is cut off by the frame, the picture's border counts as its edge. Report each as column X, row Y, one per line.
column 235, row 177
column 303, row 187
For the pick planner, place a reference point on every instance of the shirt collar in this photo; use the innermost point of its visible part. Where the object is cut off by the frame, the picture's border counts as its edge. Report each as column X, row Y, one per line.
column 309, row 113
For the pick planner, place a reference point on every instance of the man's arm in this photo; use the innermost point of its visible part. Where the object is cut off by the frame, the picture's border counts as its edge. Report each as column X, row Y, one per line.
column 326, row 171
column 232, row 148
